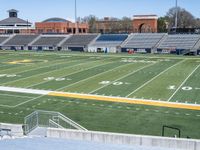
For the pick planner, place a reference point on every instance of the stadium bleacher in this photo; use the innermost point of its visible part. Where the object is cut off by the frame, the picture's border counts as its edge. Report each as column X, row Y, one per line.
column 112, row 37
column 113, row 43
column 20, row 40
column 3, row 38
column 107, row 42
column 146, row 41
column 48, row 41
column 179, row 44
column 179, row 41
column 78, row 42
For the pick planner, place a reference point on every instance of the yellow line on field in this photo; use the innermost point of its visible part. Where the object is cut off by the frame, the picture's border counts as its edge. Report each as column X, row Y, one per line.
column 126, row 100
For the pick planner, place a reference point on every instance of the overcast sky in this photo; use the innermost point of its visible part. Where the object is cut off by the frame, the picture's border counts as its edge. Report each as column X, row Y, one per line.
column 39, row 10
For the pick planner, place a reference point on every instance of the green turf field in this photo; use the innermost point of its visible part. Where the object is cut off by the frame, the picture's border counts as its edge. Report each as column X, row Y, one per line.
column 150, row 77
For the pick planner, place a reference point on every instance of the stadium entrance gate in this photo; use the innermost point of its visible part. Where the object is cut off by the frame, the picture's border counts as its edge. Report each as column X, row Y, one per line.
column 50, row 119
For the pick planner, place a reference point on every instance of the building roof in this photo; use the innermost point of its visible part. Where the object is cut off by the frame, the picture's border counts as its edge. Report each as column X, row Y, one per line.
column 13, row 21
column 145, row 17
column 56, row 20
column 13, row 10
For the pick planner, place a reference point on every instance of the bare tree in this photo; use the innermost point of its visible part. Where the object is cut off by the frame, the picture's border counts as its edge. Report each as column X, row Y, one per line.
column 127, row 25
column 185, row 18
column 91, row 20
column 197, row 22
column 114, row 25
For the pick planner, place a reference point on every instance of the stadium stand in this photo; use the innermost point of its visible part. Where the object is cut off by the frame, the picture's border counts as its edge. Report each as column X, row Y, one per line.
column 47, row 42
column 142, row 42
column 107, row 43
column 112, row 37
column 78, row 42
column 3, row 38
column 179, row 43
column 20, row 40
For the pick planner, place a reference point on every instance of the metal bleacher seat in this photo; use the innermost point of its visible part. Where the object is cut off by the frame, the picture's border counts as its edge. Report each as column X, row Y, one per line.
column 179, row 41
column 112, row 37
column 143, row 40
column 48, row 41
column 2, row 39
column 110, row 40
column 79, row 40
column 20, row 40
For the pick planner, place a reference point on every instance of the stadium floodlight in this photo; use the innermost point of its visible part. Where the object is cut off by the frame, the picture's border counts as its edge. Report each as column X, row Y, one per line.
column 75, row 9
column 76, row 22
column 176, row 17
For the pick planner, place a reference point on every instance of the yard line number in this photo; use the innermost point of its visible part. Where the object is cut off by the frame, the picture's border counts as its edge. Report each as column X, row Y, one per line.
column 113, row 83
column 56, row 79
column 8, row 75
column 184, row 88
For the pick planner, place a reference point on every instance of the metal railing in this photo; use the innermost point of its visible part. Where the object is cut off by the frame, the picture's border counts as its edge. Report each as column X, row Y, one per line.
column 47, row 119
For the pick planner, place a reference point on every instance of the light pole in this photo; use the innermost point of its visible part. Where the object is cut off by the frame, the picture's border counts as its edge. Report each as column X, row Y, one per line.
column 76, row 23
column 176, row 17
column 75, row 9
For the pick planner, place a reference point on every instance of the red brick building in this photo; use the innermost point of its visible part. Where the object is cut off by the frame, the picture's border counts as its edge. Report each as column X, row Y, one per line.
column 139, row 24
column 59, row 25
column 145, row 23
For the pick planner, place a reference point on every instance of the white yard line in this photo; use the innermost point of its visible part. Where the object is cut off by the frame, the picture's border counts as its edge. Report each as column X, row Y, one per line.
column 69, row 74
column 40, row 74
column 7, row 106
column 41, row 93
column 87, row 78
column 154, row 78
column 19, row 67
column 183, row 83
column 100, row 55
column 28, row 101
column 31, row 91
column 114, row 55
column 40, row 67
column 121, row 78
column 16, row 96
column 23, row 90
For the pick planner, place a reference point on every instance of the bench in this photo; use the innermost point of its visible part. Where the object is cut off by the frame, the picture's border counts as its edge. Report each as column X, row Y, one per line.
column 5, row 132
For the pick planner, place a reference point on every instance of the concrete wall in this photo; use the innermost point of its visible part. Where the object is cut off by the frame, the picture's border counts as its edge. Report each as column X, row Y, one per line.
column 16, row 130
column 126, row 139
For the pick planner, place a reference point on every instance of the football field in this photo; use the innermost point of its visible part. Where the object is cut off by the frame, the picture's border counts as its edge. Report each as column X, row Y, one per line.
column 107, row 92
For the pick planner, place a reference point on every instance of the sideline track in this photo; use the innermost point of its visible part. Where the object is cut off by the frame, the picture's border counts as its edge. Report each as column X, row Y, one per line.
column 103, row 98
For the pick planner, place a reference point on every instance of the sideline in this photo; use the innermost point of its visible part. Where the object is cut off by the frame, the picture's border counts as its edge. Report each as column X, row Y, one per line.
column 101, row 98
